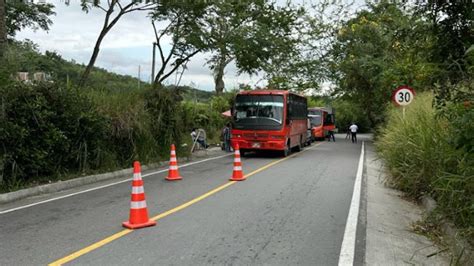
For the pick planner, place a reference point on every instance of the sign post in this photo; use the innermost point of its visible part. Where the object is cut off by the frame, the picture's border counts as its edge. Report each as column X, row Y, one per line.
column 403, row 96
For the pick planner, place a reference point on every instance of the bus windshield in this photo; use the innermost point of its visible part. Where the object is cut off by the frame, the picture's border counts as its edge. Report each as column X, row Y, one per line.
column 315, row 120
column 261, row 107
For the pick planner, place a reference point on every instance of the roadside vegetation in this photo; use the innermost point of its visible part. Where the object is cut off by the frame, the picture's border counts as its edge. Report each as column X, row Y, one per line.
column 430, row 152
column 49, row 132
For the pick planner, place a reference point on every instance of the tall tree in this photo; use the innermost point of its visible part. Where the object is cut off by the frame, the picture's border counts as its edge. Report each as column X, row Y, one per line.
column 16, row 15
column 184, row 27
column 375, row 52
column 452, row 23
column 249, row 32
column 305, row 67
column 114, row 10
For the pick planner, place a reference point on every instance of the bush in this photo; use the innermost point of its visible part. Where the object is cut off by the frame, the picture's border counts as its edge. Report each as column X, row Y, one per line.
column 421, row 154
column 129, row 128
column 47, row 131
column 348, row 112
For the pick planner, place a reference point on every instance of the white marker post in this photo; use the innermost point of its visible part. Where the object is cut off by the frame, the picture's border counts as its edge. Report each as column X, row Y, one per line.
column 403, row 96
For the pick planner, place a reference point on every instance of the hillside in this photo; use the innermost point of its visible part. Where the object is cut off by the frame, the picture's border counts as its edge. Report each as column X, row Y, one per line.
column 26, row 57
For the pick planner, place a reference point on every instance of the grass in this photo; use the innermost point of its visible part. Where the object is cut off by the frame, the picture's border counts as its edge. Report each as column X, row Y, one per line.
column 422, row 160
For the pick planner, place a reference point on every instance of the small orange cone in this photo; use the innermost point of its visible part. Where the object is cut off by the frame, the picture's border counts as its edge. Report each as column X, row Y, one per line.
column 237, row 174
column 138, row 209
column 173, row 173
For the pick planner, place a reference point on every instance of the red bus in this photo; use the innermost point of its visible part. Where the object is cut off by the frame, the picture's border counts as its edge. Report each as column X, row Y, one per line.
column 269, row 120
column 322, row 121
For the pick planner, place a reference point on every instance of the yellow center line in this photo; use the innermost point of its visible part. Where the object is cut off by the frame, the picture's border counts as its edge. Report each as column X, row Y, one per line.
column 118, row 235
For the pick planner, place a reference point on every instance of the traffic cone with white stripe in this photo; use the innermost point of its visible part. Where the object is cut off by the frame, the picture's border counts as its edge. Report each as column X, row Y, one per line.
column 173, row 173
column 237, row 174
column 138, row 209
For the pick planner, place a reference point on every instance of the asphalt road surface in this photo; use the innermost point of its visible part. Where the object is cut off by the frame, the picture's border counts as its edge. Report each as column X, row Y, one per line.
column 292, row 212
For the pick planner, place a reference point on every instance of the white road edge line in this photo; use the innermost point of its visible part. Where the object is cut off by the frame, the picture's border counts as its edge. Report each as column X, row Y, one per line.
column 346, row 256
column 104, row 186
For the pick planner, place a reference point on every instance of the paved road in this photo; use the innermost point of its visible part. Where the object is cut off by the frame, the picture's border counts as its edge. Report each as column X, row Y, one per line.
column 293, row 212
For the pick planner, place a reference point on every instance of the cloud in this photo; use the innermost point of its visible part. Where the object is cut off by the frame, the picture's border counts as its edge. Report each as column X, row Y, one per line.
column 127, row 46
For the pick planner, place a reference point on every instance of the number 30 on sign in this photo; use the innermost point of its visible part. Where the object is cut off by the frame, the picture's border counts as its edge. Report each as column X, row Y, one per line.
column 403, row 95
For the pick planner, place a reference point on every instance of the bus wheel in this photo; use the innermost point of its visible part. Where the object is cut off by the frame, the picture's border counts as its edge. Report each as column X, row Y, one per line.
column 287, row 149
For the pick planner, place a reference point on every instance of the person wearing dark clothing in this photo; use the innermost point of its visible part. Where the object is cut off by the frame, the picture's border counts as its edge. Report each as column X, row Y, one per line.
column 226, row 136
column 348, row 134
column 331, row 135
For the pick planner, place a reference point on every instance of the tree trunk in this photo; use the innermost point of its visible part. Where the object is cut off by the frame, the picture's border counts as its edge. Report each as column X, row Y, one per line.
column 105, row 29
column 219, row 73
column 95, row 53
column 3, row 28
column 219, row 80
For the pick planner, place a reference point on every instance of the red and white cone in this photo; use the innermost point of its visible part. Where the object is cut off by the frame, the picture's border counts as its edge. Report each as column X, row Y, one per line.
column 173, row 172
column 237, row 174
column 138, row 209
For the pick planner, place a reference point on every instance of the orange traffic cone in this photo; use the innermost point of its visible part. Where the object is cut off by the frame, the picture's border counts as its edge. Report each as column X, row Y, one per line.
column 173, row 173
column 138, row 209
column 237, row 174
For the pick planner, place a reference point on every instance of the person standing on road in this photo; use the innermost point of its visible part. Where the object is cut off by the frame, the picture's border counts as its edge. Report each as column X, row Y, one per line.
column 353, row 128
column 331, row 135
column 226, row 136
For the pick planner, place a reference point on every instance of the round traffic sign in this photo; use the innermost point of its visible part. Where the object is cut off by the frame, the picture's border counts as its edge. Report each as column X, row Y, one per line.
column 403, row 95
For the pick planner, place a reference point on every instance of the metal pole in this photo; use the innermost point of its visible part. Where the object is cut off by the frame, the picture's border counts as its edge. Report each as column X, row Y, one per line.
column 403, row 111
column 139, row 76
column 153, row 64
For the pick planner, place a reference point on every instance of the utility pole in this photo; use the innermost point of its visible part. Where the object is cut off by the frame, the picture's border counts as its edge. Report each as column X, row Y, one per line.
column 153, row 64
column 139, row 76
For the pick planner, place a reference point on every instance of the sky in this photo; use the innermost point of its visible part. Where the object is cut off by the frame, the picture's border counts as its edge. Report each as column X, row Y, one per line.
column 125, row 49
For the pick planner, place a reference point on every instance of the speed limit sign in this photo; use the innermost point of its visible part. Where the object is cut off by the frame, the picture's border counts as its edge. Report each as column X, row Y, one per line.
column 403, row 95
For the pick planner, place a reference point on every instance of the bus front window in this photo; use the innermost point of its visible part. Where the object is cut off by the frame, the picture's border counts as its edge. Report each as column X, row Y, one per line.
column 262, row 107
column 315, row 120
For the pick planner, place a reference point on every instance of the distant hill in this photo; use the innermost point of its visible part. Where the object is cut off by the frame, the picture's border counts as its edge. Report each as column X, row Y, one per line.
column 24, row 56
column 191, row 94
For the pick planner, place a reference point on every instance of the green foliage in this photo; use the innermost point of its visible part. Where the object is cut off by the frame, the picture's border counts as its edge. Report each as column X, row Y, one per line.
column 377, row 51
column 22, row 14
column 23, row 56
column 452, row 27
column 427, row 154
column 164, row 108
column 348, row 112
column 47, row 131
column 188, row 93
column 251, row 33
column 130, row 131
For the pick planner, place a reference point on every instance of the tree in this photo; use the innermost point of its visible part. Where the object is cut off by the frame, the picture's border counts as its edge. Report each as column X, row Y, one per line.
column 111, row 18
column 378, row 50
column 16, row 15
column 3, row 28
column 251, row 32
column 185, row 28
column 304, row 67
column 452, row 23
